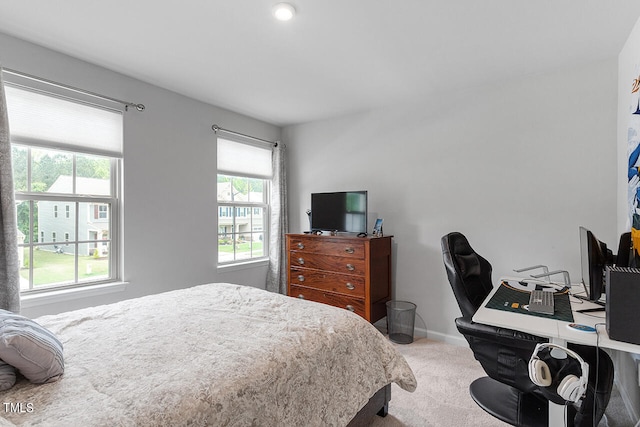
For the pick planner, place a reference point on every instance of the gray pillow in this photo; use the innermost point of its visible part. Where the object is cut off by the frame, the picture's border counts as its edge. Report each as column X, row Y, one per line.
column 30, row 348
column 7, row 376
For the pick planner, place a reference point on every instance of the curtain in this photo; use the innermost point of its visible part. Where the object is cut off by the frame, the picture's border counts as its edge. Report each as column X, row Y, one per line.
column 9, row 265
column 279, row 225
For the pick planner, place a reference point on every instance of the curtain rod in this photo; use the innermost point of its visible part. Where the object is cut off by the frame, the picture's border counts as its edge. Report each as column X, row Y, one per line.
column 139, row 107
column 217, row 129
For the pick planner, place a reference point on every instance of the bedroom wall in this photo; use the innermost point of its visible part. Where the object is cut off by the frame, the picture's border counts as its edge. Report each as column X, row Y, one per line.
column 515, row 166
column 169, row 177
column 628, row 70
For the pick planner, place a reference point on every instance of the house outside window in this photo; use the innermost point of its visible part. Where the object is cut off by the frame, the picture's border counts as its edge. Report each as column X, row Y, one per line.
column 243, row 190
column 65, row 152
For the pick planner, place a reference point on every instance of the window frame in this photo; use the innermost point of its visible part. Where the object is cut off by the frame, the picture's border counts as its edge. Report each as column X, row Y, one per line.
column 231, row 208
column 246, row 160
column 72, row 200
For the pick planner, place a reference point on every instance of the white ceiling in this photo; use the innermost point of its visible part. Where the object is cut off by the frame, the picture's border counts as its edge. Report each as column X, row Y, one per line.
column 336, row 57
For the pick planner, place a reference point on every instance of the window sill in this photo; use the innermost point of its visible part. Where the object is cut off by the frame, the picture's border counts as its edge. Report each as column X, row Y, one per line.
column 61, row 295
column 243, row 265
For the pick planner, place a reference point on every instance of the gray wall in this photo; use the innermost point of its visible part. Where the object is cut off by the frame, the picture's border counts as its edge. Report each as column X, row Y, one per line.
column 169, row 178
column 517, row 167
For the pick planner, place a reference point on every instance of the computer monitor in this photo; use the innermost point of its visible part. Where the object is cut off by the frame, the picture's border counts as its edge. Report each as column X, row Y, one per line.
column 625, row 249
column 594, row 257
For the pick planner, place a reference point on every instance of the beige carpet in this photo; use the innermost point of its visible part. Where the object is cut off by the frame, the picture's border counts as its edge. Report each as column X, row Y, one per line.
column 444, row 372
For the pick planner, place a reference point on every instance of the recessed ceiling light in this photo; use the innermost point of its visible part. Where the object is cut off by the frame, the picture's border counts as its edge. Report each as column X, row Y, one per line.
column 283, row 11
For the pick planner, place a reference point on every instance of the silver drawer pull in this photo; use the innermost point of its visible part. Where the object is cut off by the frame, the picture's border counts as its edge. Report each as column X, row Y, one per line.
column 349, row 250
column 301, row 261
column 301, row 296
column 300, row 246
column 350, row 267
column 350, row 286
column 350, row 308
column 300, row 278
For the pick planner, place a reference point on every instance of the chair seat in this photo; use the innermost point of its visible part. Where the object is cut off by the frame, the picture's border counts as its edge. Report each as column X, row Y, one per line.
column 509, row 404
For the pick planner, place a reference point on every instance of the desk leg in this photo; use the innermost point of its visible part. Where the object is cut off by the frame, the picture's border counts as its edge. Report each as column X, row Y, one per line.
column 557, row 412
column 556, row 415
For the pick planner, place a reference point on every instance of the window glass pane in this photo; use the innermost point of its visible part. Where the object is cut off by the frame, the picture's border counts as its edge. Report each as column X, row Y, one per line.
column 93, row 260
column 243, row 247
column 257, row 246
column 93, row 175
column 22, row 215
column 51, row 222
column 240, row 189
column 19, row 161
column 225, row 246
column 23, row 256
column 256, row 190
column 93, row 221
column 224, row 188
column 51, row 171
column 51, row 266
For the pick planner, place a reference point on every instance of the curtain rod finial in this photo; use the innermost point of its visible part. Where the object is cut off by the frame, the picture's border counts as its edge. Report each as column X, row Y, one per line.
column 140, row 107
column 215, row 128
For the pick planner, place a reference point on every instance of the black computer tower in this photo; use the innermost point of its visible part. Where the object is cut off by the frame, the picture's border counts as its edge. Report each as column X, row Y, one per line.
column 623, row 304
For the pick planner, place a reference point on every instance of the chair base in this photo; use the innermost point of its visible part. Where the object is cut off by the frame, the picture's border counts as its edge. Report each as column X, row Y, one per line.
column 509, row 404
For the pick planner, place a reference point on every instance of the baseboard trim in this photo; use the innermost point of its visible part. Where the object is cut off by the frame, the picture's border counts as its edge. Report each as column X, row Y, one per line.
column 438, row 336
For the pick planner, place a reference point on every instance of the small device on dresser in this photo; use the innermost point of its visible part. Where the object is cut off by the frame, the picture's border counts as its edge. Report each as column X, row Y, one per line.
column 623, row 302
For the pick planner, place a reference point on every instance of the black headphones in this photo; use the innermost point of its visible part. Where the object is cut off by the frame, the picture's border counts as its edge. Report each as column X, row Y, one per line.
column 571, row 387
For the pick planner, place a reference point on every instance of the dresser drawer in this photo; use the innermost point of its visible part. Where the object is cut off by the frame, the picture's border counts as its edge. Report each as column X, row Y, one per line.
column 328, row 246
column 333, row 282
column 336, row 264
column 337, row 300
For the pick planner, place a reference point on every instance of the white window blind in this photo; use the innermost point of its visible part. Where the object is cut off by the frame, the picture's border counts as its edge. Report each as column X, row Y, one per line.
column 244, row 159
column 55, row 122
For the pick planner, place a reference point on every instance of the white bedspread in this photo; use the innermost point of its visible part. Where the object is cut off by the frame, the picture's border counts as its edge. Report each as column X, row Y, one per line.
column 214, row 355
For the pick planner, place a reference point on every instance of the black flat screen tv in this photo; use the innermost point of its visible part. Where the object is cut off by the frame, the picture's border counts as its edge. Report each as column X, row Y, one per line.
column 342, row 211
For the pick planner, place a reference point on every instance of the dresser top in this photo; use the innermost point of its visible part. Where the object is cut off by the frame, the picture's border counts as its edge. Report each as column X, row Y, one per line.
column 337, row 236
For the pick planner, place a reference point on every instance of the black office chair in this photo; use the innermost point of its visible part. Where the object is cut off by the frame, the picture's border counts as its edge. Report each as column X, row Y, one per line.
column 507, row 393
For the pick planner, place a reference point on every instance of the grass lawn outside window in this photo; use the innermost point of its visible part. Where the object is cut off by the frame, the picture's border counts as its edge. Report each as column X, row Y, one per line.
column 51, row 268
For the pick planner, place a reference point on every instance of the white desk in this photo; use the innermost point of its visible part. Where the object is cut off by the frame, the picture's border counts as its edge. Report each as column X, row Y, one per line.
column 557, row 332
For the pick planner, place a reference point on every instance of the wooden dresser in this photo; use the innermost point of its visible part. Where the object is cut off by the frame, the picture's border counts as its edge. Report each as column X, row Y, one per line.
column 344, row 271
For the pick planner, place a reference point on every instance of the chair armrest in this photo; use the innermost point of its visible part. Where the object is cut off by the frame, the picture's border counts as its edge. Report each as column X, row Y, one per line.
column 502, row 336
column 503, row 353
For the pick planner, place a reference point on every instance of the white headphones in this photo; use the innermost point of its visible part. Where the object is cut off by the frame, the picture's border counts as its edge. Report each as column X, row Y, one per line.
column 571, row 387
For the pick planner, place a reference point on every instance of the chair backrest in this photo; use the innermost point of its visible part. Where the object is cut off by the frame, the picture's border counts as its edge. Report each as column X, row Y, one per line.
column 469, row 274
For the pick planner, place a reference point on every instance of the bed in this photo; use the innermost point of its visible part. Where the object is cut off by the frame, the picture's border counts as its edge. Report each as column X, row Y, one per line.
column 212, row 355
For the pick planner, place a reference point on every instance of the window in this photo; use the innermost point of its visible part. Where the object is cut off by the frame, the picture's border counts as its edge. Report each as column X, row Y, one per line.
column 244, row 172
column 65, row 152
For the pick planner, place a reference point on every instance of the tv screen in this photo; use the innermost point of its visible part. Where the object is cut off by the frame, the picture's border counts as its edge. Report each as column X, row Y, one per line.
column 344, row 211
